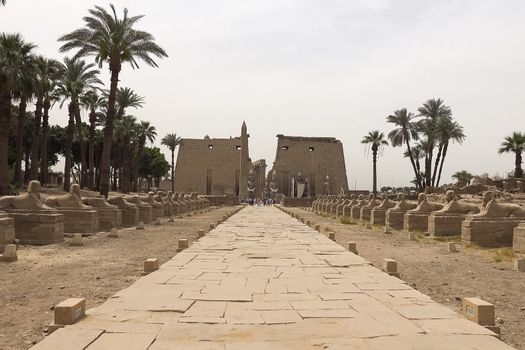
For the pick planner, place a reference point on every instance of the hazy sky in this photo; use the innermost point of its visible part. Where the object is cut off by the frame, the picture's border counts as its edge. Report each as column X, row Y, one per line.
column 318, row 68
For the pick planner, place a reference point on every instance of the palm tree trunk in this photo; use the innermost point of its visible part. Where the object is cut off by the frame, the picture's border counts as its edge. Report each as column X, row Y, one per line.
column 416, row 170
column 20, row 140
column 35, row 155
column 69, row 146
column 138, row 158
column 518, row 172
column 5, row 116
column 91, row 151
column 83, row 158
column 438, row 158
column 108, row 132
column 126, row 165
column 374, row 170
column 43, row 146
column 173, row 170
column 445, row 149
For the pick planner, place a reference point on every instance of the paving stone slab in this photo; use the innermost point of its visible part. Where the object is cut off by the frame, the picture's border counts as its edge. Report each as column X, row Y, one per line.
column 263, row 280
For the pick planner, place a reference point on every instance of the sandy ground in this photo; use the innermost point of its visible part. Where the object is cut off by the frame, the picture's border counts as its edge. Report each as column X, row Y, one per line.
column 447, row 277
column 45, row 276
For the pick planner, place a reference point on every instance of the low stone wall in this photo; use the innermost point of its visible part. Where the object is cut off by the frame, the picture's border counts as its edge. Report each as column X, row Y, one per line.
column 297, row 202
column 489, row 232
column 216, row 201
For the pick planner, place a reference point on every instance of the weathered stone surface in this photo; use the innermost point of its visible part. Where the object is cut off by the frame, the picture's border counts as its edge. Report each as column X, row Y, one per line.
column 38, row 228
column 395, row 219
column 130, row 212
column 7, row 230
column 518, row 242
column 479, row 311
column 262, row 280
column 416, row 222
column 79, row 220
column 70, row 311
column 445, row 225
column 489, row 231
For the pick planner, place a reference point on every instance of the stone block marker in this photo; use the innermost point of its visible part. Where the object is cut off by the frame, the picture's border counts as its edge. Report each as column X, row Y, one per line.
column 219, row 221
column 308, row 222
column 140, row 226
column 171, row 219
column 451, row 247
column 411, row 236
column 479, row 311
column 201, row 233
column 390, row 267
column 77, row 240
column 212, row 226
column 387, row 231
column 182, row 244
column 331, row 235
column 318, row 228
column 519, row 264
column 9, row 253
column 70, row 311
column 157, row 222
column 150, row 265
column 113, row 233
column 352, row 247
column 368, row 226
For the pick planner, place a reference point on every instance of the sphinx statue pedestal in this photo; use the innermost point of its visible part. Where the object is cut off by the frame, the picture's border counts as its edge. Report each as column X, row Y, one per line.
column 487, row 231
column 355, row 212
column 518, row 242
column 145, row 210
column 440, row 224
column 378, row 216
column 77, row 220
column 7, row 230
column 130, row 212
column 365, row 213
column 395, row 219
column 157, row 208
column 38, row 227
column 416, row 222
column 109, row 216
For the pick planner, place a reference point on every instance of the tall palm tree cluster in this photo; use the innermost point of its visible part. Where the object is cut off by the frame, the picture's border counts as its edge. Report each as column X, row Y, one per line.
column 514, row 143
column 426, row 136
column 110, row 156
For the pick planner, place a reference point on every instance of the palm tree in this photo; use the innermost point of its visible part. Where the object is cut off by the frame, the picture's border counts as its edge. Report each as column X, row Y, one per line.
column 375, row 141
column 115, row 41
column 432, row 111
column 13, row 50
column 125, row 128
column 26, row 87
column 449, row 131
column 171, row 141
column 463, row 176
column 76, row 78
column 405, row 132
column 514, row 143
column 127, row 98
column 93, row 103
column 145, row 132
column 47, row 74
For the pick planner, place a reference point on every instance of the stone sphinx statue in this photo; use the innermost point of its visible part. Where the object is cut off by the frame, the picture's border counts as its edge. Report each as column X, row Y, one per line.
column 378, row 214
column 494, row 225
column 78, row 217
column 424, row 206
column 347, row 209
column 453, row 206
column 27, row 201
column 157, row 207
column 68, row 200
column 447, row 221
column 34, row 222
column 366, row 210
column 340, row 208
column 417, row 219
column 145, row 210
column 493, row 208
column 355, row 211
column 109, row 215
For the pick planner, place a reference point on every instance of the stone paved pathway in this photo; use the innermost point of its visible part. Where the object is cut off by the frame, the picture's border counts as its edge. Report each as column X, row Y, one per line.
column 262, row 280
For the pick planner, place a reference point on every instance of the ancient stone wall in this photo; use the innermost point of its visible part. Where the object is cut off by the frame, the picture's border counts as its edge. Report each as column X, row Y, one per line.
column 208, row 166
column 313, row 157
